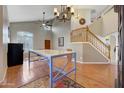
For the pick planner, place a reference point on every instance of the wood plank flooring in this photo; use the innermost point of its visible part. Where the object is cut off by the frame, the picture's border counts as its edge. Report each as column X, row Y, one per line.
column 88, row 75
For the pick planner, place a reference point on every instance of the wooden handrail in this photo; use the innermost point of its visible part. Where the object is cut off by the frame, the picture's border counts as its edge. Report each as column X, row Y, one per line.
column 79, row 29
column 85, row 35
column 90, row 32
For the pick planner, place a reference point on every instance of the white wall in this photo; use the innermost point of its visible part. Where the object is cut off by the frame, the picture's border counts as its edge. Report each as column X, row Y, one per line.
column 114, row 44
column 97, row 26
column 107, row 24
column 3, row 40
column 61, row 29
column 110, row 22
column 34, row 27
column 84, row 13
column 90, row 54
column 78, row 48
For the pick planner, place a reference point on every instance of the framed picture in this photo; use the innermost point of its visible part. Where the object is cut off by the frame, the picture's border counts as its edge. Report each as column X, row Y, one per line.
column 61, row 41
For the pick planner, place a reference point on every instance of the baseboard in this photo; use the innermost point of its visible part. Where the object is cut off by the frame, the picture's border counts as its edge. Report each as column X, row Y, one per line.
column 79, row 62
column 4, row 74
column 93, row 62
column 114, row 63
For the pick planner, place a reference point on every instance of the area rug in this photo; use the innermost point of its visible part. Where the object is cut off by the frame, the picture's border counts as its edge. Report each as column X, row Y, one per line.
column 44, row 83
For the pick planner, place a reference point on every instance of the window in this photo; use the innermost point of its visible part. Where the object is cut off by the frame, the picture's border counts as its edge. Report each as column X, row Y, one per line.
column 26, row 38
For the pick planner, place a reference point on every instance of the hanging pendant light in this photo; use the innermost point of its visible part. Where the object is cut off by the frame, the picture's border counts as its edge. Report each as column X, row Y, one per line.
column 43, row 23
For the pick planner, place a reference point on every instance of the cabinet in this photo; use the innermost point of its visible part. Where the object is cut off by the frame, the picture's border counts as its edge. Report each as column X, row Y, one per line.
column 15, row 54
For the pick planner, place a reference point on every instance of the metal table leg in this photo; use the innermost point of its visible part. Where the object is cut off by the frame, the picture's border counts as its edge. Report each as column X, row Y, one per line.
column 29, row 60
column 75, row 66
column 51, row 72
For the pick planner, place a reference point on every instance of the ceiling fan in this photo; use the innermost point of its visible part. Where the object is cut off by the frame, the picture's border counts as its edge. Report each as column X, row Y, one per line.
column 46, row 23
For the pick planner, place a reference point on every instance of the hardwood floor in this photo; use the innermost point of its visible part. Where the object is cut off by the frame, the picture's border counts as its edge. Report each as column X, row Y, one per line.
column 88, row 75
column 18, row 75
column 94, row 75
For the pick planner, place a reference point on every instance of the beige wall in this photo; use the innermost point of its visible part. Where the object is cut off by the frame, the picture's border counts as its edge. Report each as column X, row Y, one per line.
column 39, row 35
column 90, row 54
column 86, row 14
column 107, row 24
column 78, row 48
column 97, row 27
column 110, row 22
column 3, row 40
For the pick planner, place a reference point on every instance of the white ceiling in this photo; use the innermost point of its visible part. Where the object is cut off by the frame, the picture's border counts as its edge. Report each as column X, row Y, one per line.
column 18, row 13
column 97, row 8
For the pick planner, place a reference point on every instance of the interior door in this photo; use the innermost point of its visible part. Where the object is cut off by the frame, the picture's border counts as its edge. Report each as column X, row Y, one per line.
column 47, row 44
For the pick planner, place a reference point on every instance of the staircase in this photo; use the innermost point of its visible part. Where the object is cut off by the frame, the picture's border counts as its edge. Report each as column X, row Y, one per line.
column 84, row 35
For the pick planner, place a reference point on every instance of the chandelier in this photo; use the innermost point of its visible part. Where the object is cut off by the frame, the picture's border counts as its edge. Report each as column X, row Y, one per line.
column 64, row 13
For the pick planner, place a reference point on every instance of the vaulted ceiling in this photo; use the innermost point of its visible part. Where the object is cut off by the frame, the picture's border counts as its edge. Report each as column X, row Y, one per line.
column 18, row 13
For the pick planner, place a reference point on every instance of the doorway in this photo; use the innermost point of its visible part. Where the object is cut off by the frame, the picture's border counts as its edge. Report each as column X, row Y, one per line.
column 47, row 44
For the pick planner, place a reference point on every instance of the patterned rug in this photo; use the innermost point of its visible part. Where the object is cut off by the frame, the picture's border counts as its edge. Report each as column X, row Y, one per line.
column 44, row 83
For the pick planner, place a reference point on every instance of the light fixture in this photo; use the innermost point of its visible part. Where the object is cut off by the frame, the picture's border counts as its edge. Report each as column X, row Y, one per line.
column 77, row 16
column 65, row 13
column 43, row 23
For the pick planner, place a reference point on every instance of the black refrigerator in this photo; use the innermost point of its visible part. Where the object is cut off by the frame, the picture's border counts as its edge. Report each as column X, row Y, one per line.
column 15, row 54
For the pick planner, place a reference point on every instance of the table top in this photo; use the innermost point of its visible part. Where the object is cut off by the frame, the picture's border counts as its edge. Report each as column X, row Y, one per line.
column 52, row 52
